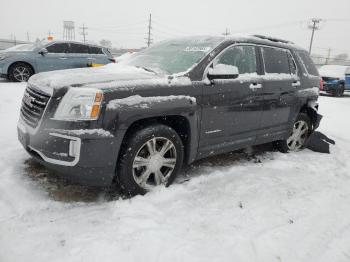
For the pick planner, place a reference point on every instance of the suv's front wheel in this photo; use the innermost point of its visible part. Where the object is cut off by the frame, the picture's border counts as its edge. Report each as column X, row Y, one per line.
column 300, row 133
column 150, row 157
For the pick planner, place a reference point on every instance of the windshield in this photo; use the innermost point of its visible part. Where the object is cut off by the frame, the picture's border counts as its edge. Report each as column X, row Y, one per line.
column 23, row 47
column 174, row 56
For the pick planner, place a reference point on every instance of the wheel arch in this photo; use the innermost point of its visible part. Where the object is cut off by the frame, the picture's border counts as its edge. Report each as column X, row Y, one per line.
column 311, row 112
column 20, row 62
column 185, row 128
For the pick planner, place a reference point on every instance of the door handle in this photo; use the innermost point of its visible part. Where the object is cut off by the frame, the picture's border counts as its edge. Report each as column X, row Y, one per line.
column 63, row 58
column 296, row 83
column 255, row 86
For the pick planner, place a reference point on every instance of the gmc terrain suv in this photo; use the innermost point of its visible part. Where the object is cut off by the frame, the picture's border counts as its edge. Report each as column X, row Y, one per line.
column 181, row 100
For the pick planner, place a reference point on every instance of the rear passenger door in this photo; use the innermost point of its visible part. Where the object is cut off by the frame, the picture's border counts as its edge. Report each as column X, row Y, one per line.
column 97, row 56
column 280, row 83
column 78, row 55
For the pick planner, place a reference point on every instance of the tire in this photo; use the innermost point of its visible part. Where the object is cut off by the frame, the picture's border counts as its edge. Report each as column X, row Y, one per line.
column 341, row 90
column 296, row 141
column 20, row 72
column 139, row 169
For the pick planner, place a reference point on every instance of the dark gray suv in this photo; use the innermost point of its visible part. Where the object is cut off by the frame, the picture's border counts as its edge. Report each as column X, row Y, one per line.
column 181, row 100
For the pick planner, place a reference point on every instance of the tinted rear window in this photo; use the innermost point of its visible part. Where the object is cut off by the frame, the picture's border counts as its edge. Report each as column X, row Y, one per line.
column 58, row 48
column 95, row 50
column 275, row 60
column 308, row 63
column 78, row 49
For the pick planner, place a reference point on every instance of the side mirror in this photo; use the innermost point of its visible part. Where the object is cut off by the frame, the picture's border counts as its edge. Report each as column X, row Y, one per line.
column 43, row 51
column 221, row 71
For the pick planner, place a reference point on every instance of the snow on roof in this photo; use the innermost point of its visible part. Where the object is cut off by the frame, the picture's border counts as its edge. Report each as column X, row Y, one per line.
column 337, row 71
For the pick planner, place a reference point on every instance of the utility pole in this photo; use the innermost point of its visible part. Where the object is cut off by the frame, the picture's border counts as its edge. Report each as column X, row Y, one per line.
column 149, row 39
column 328, row 56
column 314, row 26
column 226, row 33
column 28, row 37
column 84, row 32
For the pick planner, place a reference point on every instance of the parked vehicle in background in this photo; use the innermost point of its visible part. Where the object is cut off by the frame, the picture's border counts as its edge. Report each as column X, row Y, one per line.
column 20, row 62
column 347, row 79
column 138, row 121
column 334, row 79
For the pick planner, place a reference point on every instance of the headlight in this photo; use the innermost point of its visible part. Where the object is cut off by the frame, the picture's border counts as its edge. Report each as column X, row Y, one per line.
column 4, row 56
column 80, row 104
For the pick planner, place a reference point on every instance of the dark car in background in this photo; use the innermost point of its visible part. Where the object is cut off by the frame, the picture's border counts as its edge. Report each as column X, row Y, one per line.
column 181, row 100
column 20, row 62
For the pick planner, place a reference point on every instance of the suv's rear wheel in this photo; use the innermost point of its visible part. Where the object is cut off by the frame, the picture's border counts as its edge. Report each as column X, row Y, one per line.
column 20, row 72
column 301, row 131
column 150, row 157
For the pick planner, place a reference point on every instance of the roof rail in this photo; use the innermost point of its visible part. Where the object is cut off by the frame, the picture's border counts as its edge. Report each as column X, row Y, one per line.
column 273, row 39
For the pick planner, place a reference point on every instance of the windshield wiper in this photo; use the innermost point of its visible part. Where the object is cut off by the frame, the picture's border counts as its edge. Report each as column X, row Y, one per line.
column 147, row 69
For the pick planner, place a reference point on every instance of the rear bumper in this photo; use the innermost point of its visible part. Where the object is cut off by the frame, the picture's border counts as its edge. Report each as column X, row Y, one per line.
column 87, row 159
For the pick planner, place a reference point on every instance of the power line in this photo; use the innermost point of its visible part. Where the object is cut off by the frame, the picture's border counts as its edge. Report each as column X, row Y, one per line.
column 149, row 39
column 313, row 27
column 83, row 32
column 226, row 33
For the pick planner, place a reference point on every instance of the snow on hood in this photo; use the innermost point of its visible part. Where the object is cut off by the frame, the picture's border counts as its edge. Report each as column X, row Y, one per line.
column 48, row 81
column 336, row 71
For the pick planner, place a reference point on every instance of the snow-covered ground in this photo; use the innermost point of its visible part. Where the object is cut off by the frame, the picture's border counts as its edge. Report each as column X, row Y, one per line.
column 274, row 207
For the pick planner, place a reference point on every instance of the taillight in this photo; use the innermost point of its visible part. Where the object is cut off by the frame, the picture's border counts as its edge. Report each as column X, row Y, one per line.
column 321, row 84
column 112, row 60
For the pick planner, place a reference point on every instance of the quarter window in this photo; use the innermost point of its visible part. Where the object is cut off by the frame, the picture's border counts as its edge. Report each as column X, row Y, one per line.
column 308, row 63
column 243, row 57
column 275, row 60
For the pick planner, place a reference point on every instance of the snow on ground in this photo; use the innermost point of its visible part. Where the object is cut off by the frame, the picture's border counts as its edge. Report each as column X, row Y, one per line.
column 274, row 207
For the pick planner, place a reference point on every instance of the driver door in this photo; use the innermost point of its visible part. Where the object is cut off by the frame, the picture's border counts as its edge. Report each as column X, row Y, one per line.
column 232, row 108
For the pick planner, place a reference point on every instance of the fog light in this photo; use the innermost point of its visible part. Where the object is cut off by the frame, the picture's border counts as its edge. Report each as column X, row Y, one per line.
column 74, row 148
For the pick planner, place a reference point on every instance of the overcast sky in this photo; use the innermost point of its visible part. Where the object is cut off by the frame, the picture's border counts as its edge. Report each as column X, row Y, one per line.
column 125, row 22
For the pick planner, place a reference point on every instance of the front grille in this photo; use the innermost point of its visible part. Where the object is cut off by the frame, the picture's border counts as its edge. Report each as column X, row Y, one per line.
column 33, row 106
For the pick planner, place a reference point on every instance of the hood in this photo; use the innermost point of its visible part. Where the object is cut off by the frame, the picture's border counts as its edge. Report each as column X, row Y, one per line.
column 49, row 81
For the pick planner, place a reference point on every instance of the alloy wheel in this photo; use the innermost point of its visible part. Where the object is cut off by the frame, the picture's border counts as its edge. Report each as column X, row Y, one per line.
column 299, row 135
column 21, row 73
column 154, row 162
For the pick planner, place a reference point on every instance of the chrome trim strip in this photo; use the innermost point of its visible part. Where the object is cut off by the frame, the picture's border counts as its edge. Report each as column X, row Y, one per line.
column 62, row 162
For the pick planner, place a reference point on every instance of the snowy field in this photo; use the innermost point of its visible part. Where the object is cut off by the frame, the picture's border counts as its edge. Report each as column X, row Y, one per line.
column 271, row 207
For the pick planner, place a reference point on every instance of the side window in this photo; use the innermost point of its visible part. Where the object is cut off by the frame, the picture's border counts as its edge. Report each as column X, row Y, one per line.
column 275, row 60
column 78, row 49
column 58, row 48
column 243, row 57
column 308, row 63
column 95, row 50
column 292, row 65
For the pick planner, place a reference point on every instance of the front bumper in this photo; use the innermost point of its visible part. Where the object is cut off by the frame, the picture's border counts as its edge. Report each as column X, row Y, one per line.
column 84, row 158
column 328, row 87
